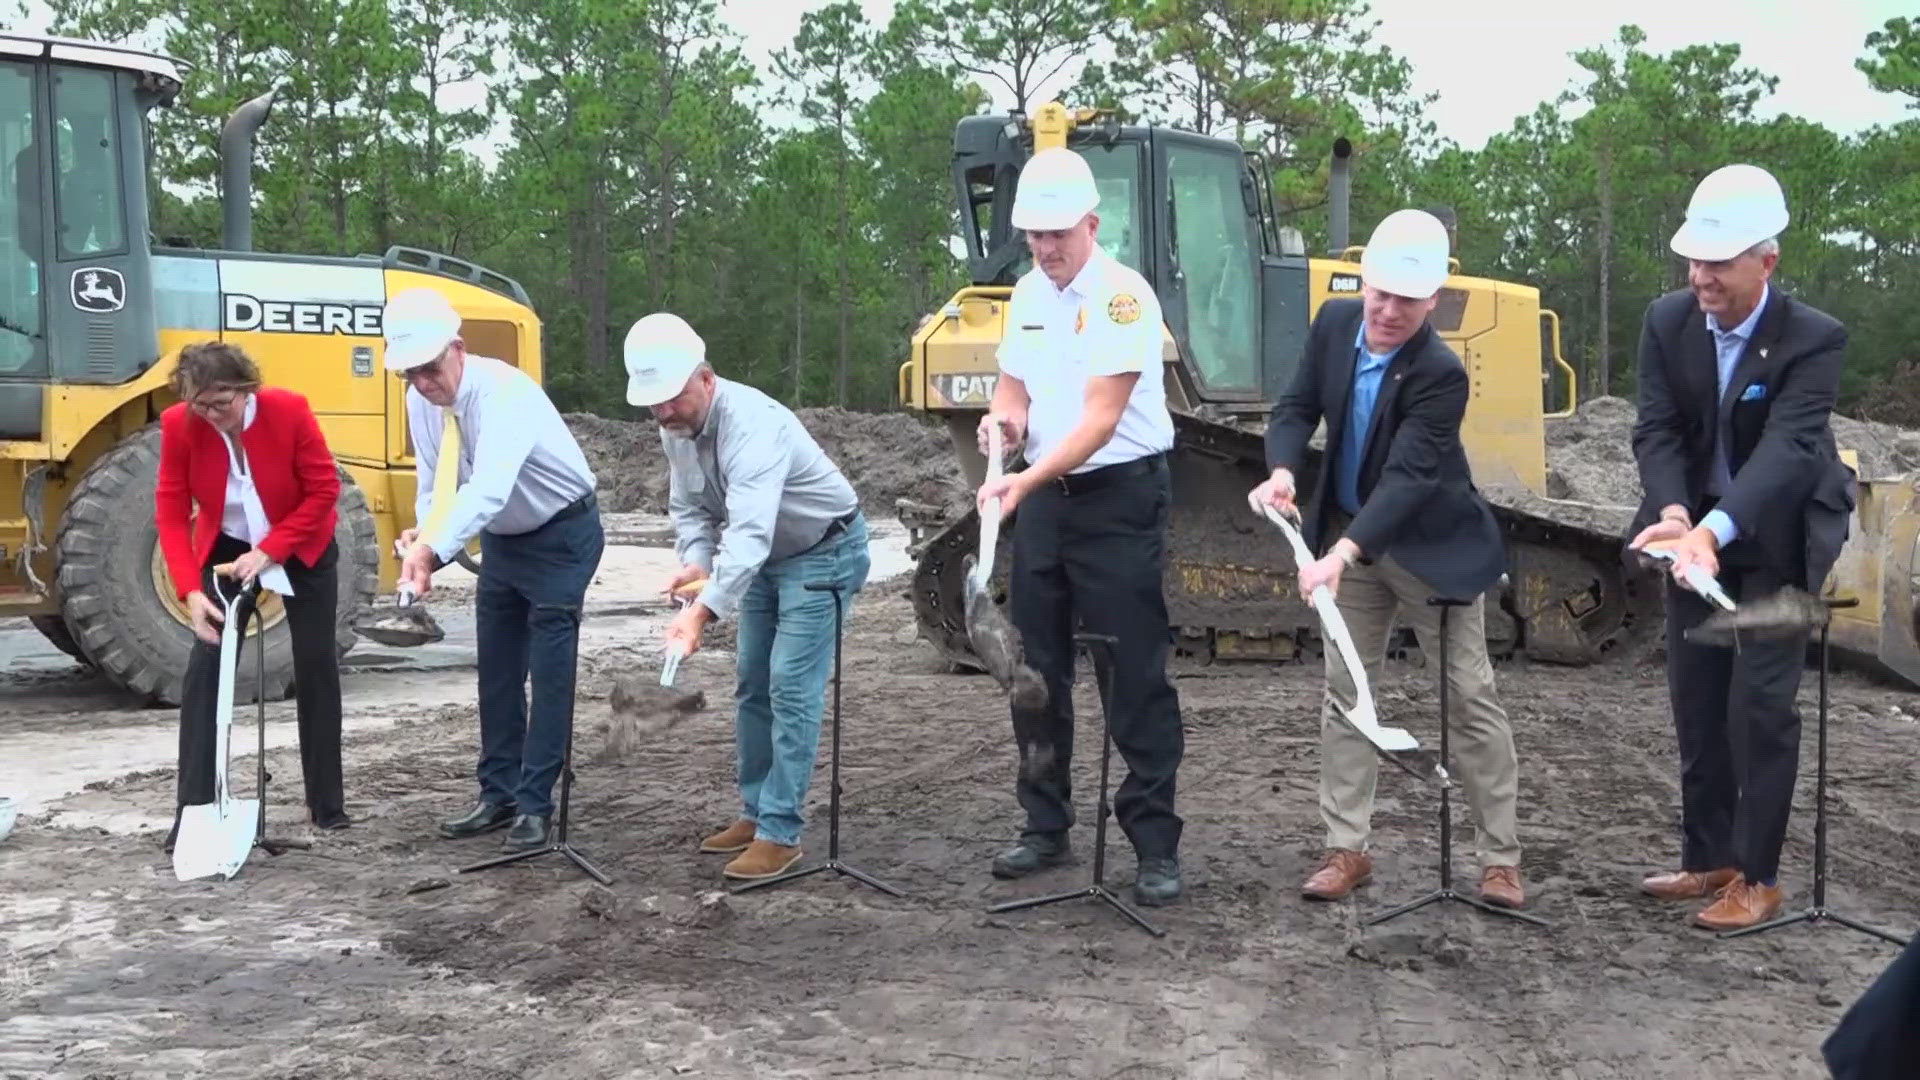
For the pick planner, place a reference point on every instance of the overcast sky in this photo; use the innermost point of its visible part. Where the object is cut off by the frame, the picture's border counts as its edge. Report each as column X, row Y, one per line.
column 1492, row 60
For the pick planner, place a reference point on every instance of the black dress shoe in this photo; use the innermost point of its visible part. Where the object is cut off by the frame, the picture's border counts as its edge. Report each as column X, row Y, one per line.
column 529, row 831
column 484, row 817
column 1158, row 881
column 331, row 822
column 1035, row 851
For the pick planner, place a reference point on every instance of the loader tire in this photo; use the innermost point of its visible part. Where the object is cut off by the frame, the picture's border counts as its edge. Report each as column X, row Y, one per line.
column 54, row 629
column 117, row 598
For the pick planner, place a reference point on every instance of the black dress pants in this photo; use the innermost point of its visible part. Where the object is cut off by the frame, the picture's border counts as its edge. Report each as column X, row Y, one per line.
column 316, row 675
column 1738, row 732
column 1093, row 554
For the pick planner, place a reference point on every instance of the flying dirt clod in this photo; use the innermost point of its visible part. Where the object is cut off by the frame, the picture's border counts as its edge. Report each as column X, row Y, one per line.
column 998, row 645
column 641, row 707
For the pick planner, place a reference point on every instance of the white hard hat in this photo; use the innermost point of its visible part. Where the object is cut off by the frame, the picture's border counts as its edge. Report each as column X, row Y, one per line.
column 418, row 324
column 661, row 352
column 1055, row 191
column 1734, row 208
column 1407, row 255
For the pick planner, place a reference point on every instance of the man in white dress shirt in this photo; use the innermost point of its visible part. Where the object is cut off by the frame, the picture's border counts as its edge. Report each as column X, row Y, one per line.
column 1081, row 385
column 526, row 489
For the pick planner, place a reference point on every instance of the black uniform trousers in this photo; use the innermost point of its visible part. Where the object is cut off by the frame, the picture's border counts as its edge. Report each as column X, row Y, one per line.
column 311, row 614
column 1738, row 731
column 1094, row 551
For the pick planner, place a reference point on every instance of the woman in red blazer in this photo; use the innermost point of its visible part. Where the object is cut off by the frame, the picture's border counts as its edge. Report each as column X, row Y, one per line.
column 251, row 461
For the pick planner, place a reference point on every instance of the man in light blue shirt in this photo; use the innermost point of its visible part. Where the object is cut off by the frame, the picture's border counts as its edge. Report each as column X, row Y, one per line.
column 761, row 516
column 520, row 482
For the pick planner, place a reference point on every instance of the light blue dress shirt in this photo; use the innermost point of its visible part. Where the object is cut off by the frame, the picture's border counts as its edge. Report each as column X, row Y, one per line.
column 1727, row 347
column 1368, row 369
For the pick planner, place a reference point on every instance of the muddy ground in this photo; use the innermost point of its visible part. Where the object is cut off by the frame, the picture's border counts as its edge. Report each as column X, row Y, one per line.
column 370, row 956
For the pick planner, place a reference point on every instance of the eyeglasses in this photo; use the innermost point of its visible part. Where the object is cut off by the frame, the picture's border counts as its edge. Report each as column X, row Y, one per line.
column 215, row 405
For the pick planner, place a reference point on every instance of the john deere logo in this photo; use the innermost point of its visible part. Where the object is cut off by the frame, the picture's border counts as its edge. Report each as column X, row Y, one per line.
column 99, row 289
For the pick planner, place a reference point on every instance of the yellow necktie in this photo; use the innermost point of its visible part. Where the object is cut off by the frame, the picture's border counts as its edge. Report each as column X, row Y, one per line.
column 446, row 474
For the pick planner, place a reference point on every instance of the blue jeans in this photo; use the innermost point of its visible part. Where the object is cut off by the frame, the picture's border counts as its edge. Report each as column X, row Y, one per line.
column 527, row 615
column 786, row 643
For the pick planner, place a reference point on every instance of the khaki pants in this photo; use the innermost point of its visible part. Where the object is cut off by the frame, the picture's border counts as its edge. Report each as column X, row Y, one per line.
column 1479, row 737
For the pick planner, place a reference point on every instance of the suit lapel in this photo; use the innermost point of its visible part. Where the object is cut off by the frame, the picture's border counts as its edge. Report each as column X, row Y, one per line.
column 1339, row 375
column 1756, row 357
column 1702, row 362
column 1389, row 391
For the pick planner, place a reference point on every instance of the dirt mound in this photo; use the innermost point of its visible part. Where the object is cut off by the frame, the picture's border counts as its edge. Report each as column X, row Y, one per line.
column 885, row 455
column 1590, row 454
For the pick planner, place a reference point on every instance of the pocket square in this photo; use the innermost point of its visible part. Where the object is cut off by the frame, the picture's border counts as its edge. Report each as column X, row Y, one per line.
column 1754, row 392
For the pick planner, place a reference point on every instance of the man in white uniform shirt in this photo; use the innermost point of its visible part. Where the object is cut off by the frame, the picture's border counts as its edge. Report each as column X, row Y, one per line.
column 525, row 488
column 1081, row 385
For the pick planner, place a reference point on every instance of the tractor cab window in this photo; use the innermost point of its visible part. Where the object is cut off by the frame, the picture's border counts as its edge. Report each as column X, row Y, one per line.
column 87, row 170
column 1116, row 173
column 21, row 330
column 1217, row 250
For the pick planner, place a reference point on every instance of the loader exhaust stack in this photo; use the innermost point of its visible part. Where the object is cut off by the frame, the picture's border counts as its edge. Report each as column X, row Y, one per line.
column 1339, row 195
column 236, row 171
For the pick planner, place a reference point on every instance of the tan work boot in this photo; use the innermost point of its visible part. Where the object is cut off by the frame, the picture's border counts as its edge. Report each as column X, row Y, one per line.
column 1500, row 886
column 1341, row 873
column 762, row 859
column 1741, row 904
column 1688, row 884
column 734, row 837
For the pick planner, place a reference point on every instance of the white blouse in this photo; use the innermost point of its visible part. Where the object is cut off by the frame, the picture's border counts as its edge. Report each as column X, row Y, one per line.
column 243, row 517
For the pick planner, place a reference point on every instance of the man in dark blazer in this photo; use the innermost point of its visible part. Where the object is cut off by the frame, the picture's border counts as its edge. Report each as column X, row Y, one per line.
column 1742, row 478
column 1399, row 520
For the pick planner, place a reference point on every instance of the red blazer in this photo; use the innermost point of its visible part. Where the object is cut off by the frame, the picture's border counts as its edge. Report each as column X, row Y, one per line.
column 292, row 469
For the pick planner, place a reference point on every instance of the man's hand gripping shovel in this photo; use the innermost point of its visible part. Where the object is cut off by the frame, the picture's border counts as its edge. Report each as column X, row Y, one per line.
column 1396, row 745
column 997, row 642
column 1786, row 614
column 215, row 838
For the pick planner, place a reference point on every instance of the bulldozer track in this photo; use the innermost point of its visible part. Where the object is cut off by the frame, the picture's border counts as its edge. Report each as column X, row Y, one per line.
column 1569, row 597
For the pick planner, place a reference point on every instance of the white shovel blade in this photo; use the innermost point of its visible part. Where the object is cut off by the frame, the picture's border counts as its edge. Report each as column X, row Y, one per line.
column 1362, row 716
column 215, row 839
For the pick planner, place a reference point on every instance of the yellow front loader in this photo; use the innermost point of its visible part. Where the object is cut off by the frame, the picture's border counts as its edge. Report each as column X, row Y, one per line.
column 93, row 313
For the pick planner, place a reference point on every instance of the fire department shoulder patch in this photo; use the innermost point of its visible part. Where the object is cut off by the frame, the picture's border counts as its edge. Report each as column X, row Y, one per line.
column 1123, row 309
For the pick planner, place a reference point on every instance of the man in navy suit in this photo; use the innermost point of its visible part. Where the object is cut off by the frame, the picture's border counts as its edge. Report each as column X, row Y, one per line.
column 1397, row 521
column 1742, row 478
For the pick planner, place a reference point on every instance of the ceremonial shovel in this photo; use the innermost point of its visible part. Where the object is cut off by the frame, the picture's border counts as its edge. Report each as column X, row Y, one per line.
column 995, row 640
column 1394, row 744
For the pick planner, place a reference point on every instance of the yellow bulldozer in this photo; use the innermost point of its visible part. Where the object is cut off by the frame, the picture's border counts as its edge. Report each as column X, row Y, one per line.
column 1195, row 216
column 93, row 313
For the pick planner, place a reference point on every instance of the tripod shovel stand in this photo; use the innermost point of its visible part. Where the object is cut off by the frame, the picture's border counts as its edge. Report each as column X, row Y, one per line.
column 1446, row 890
column 1818, row 912
column 557, row 844
column 1098, row 889
column 833, row 862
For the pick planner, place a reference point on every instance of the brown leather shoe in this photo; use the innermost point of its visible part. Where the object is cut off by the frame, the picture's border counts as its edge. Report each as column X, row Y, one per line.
column 762, row 859
column 1741, row 904
column 734, row 837
column 1688, row 884
column 1500, row 886
column 1343, row 871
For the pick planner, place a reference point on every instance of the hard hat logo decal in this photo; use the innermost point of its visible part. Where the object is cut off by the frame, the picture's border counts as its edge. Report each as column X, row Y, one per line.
column 1123, row 309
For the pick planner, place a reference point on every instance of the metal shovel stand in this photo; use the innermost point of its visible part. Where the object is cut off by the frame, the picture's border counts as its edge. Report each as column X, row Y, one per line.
column 1446, row 891
column 272, row 845
column 1818, row 912
column 1098, row 889
column 833, row 862
column 557, row 843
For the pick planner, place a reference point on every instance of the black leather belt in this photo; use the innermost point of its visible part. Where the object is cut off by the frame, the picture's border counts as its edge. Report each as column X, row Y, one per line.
column 573, row 509
column 1095, row 479
column 837, row 526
